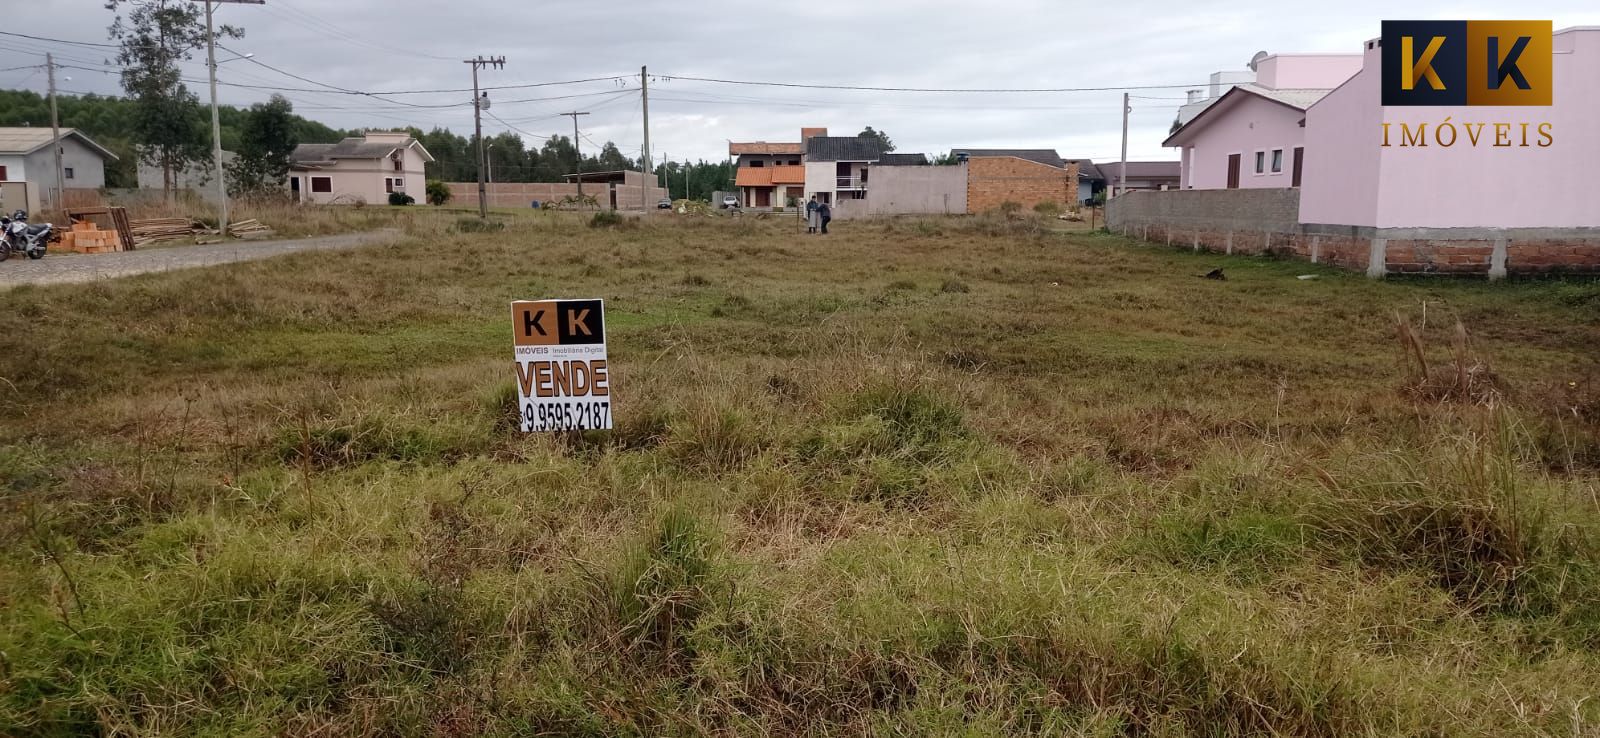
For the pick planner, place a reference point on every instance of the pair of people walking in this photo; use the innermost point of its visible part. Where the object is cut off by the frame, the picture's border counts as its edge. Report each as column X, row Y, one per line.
column 817, row 216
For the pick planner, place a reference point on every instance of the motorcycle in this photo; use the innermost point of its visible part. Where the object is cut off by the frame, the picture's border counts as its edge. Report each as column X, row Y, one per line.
column 17, row 235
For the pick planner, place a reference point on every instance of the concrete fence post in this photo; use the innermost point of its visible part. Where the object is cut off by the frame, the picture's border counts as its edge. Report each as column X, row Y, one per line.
column 1230, row 243
column 1196, row 240
column 1378, row 258
column 1497, row 260
column 1316, row 249
column 1266, row 243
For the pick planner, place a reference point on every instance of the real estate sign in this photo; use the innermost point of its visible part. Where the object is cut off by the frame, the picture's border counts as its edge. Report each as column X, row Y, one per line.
column 562, row 380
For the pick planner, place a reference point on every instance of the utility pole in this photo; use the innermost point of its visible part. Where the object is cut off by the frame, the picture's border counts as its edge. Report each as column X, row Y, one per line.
column 489, row 161
column 1122, row 176
column 480, row 103
column 216, row 117
column 577, row 155
column 55, row 136
column 644, row 97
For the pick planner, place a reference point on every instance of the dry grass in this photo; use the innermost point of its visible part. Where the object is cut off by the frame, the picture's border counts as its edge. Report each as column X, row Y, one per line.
column 949, row 477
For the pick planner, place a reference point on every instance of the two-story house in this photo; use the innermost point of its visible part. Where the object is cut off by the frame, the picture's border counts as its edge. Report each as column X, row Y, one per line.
column 359, row 169
column 772, row 174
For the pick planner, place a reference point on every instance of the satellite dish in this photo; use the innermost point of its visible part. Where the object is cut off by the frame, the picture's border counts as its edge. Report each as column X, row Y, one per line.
column 1255, row 61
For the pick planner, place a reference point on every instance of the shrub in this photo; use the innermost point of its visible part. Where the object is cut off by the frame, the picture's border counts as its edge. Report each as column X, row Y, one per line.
column 609, row 219
column 399, row 199
column 1048, row 207
column 438, row 192
column 478, row 225
column 1010, row 208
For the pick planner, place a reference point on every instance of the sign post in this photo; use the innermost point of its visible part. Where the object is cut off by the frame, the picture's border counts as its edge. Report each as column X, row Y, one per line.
column 562, row 380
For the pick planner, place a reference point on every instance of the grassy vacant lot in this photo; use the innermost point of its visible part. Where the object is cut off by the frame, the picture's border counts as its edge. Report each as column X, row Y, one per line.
column 918, row 478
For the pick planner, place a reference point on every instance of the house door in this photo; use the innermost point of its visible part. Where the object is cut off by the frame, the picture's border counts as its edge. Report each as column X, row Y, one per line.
column 1233, row 171
column 763, row 197
column 1299, row 161
column 294, row 188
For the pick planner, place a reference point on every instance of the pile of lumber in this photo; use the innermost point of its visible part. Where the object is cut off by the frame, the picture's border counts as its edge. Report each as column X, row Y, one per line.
column 156, row 230
column 249, row 229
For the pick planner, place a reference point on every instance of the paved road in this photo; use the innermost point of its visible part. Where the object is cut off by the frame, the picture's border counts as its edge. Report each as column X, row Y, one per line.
column 68, row 268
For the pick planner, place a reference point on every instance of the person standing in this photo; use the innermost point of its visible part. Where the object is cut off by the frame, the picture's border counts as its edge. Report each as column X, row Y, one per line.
column 812, row 219
column 824, row 214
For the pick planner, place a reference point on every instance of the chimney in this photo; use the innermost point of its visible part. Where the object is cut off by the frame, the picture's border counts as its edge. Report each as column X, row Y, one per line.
column 1196, row 95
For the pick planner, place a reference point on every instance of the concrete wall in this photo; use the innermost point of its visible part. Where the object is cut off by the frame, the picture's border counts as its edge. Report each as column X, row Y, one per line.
column 1260, row 210
column 1264, row 222
column 992, row 180
column 196, row 177
column 16, row 196
column 821, row 179
column 1307, row 71
column 1463, row 185
column 522, row 194
column 1252, row 125
column 914, row 190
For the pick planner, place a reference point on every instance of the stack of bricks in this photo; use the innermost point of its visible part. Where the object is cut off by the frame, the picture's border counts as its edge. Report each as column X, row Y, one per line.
column 87, row 238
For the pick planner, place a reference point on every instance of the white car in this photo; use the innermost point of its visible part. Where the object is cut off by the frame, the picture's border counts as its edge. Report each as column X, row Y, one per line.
column 729, row 201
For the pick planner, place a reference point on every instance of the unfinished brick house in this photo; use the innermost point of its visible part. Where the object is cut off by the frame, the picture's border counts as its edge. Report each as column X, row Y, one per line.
column 1026, row 177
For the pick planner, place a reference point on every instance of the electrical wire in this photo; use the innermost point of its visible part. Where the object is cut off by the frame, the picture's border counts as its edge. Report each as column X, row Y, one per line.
column 862, row 88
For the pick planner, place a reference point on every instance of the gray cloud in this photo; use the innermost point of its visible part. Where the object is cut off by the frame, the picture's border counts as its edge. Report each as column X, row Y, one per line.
column 385, row 45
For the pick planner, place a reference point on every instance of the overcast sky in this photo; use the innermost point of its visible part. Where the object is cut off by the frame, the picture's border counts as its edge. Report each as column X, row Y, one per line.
column 385, row 45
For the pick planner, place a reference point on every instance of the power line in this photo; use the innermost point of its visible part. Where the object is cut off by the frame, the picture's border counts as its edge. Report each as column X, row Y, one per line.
column 809, row 86
column 57, row 40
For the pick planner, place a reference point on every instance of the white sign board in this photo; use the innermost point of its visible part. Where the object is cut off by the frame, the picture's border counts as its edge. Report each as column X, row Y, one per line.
column 562, row 380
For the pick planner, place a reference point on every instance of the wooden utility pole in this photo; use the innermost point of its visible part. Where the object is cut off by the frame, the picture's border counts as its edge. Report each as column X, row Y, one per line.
column 644, row 157
column 480, row 103
column 55, row 136
column 1122, row 176
column 216, row 117
column 577, row 155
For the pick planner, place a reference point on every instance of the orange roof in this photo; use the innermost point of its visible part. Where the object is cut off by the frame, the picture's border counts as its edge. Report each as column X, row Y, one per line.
column 755, row 177
column 806, row 133
column 764, row 148
column 788, row 175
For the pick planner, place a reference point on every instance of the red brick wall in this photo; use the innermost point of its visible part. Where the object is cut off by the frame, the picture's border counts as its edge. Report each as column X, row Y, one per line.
column 1537, row 257
column 992, row 180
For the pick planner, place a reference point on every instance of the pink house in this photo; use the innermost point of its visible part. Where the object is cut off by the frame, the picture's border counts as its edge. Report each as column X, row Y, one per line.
column 364, row 169
column 1253, row 136
column 1504, row 181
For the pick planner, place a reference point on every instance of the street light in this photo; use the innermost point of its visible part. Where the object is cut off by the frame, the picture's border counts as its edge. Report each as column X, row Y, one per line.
column 216, row 117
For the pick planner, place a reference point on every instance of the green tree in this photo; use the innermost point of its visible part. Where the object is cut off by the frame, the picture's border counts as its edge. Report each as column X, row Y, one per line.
column 154, row 37
column 438, row 192
column 266, row 140
column 882, row 138
column 611, row 159
column 946, row 159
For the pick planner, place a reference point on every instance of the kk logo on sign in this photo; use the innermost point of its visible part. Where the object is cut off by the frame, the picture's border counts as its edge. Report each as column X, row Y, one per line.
column 1467, row 62
column 559, row 322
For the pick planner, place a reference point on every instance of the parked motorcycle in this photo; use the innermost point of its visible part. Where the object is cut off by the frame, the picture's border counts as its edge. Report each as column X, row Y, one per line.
column 16, row 235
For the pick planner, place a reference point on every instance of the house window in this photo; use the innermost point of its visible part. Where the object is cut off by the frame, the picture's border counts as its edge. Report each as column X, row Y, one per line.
column 794, row 162
column 1277, row 161
column 321, row 184
column 394, row 184
column 67, row 172
column 3, row 176
column 757, row 164
column 1261, row 162
column 399, row 164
